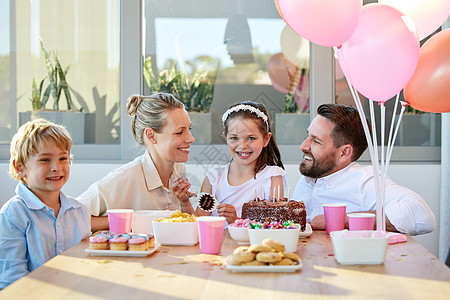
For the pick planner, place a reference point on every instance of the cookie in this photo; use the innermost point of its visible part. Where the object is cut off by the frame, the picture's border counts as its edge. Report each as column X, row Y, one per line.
column 242, row 257
column 277, row 246
column 259, row 248
column 254, row 263
column 284, row 262
column 292, row 256
column 206, row 202
column 269, row 257
column 240, row 249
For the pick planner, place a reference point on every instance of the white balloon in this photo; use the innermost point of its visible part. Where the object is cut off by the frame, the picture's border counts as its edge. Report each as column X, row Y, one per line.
column 427, row 15
column 295, row 48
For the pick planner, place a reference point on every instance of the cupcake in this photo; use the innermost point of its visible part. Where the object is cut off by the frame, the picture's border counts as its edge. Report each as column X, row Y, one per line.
column 98, row 242
column 149, row 238
column 119, row 242
column 137, row 243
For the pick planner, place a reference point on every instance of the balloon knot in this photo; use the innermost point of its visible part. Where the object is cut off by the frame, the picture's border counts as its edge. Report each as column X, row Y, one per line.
column 339, row 47
column 404, row 104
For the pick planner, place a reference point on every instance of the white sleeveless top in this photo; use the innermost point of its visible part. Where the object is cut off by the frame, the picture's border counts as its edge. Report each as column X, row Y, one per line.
column 238, row 195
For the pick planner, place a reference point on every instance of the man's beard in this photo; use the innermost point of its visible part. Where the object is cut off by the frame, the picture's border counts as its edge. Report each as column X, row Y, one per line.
column 318, row 168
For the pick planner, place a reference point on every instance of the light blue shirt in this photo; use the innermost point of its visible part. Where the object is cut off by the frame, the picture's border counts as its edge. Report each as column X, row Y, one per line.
column 30, row 234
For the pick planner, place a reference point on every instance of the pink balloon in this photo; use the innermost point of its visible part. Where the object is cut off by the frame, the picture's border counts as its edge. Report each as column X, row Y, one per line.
column 382, row 54
column 281, row 70
column 428, row 15
column 324, row 22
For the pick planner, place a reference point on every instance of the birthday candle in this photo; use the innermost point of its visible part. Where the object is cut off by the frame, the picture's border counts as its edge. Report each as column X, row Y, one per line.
column 273, row 198
column 279, row 190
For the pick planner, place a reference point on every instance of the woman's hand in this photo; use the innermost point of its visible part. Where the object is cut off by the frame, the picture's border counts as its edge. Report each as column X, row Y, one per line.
column 180, row 188
column 228, row 211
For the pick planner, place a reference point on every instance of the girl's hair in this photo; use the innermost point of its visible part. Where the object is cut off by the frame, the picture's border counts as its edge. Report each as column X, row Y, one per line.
column 30, row 136
column 150, row 111
column 270, row 155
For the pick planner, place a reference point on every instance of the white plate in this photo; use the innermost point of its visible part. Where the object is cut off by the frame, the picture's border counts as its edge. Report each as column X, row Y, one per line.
column 122, row 253
column 261, row 269
column 308, row 231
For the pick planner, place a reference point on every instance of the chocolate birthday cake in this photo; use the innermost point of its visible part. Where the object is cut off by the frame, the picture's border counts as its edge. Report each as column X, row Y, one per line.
column 277, row 210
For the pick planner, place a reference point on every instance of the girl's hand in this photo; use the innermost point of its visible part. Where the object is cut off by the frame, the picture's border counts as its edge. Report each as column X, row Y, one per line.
column 228, row 211
column 180, row 188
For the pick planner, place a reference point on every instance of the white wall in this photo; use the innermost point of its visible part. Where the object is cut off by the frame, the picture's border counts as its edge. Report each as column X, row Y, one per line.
column 423, row 179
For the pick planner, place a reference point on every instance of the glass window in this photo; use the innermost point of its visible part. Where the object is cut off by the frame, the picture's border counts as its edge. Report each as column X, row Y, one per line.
column 235, row 51
column 79, row 37
column 5, row 85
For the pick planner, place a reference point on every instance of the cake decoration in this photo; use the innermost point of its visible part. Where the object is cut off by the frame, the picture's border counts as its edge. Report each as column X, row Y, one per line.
column 264, row 211
column 207, row 202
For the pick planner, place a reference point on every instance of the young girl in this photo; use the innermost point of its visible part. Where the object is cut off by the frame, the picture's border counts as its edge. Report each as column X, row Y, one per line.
column 255, row 170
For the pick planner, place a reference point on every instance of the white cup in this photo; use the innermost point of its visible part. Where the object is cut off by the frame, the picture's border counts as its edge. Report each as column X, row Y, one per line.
column 142, row 219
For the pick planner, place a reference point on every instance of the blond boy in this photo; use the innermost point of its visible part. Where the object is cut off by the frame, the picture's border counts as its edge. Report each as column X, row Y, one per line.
column 39, row 222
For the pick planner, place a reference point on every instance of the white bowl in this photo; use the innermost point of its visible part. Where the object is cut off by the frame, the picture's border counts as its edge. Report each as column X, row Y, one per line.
column 141, row 221
column 176, row 233
column 239, row 234
column 288, row 237
column 359, row 247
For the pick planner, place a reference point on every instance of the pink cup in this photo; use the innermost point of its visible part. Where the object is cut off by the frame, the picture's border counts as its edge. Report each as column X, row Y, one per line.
column 210, row 234
column 334, row 216
column 360, row 221
column 120, row 220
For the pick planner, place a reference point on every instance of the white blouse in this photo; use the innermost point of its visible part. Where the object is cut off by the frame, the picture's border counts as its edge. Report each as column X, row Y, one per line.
column 238, row 195
column 135, row 185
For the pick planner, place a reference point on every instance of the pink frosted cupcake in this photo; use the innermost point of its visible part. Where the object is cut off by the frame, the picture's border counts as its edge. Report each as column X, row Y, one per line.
column 98, row 242
column 119, row 242
column 137, row 243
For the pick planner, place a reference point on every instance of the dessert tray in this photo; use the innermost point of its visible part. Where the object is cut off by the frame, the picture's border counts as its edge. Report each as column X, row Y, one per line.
column 308, row 231
column 126, row 253
column 262, row 269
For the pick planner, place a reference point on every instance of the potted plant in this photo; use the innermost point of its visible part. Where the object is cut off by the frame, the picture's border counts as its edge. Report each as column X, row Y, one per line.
column 291, row 125
column 74, row 120
column 195, row 91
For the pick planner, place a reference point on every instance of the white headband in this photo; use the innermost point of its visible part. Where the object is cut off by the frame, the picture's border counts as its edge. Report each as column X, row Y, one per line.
column 250, row 108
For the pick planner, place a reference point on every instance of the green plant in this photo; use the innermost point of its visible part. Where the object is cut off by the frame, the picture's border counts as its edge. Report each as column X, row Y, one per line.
column 57, row 83
column 195, row 91
column 38, row 100
column 297, row 100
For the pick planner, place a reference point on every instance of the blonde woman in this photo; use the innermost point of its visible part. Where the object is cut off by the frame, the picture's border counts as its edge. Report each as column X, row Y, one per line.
column 156, row 179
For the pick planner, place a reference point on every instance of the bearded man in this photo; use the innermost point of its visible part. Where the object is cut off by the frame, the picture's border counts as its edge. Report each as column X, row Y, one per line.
column 330, row 174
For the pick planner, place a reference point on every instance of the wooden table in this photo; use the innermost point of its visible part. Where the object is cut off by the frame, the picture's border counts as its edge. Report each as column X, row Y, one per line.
column 180, row 272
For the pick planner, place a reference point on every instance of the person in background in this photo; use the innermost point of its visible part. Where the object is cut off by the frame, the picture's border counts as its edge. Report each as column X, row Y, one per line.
column 330, row 174
column 155, row 180
column 39, row 222
column 256, row 162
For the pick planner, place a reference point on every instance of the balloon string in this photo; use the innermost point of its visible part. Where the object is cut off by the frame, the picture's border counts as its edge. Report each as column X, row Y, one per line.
column 390, row 142
column 380, row 218
column 383, row 168
column 388, row 159
column 377, row 175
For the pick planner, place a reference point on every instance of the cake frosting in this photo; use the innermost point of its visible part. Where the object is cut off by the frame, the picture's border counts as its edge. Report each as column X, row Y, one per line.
column 275, row 210
column 98, row 239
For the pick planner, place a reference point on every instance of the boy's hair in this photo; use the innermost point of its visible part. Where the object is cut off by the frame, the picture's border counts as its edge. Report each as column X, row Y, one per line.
column 30, row 136
column 270, row 155
column 348, row 128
